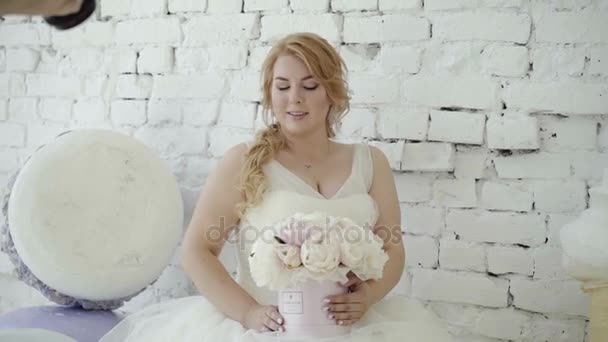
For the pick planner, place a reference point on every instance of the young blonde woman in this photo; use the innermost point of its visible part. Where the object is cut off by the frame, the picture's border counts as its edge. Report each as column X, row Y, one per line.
column 292, row 165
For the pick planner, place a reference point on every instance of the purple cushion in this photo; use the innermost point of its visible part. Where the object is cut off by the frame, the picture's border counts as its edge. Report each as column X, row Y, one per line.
column 82, row 325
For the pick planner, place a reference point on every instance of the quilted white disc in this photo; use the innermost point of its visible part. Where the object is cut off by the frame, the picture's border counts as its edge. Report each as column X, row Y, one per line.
column 95, row 215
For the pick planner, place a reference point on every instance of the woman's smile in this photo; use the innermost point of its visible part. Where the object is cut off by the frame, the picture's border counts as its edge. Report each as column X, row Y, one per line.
column 297, row 115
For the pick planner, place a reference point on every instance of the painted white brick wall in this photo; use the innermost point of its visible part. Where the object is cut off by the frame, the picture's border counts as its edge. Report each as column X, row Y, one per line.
column 390, row 5
column 174, row 6
column 155, row 60
column 502, row 323
column 265, row 5
column 275, row 26
column 385, row 28
column 492, row 113
column 128, row 112
column 455, row 92
column 506, row 196
column 354, row 5
column 537, row 165
column 319, row 6
column 505, row 60
column 422, row 220
column 465, row 256
column 403, row 123
column 90, row 111
column 373, row 89
column 133, row 86
column 471, row 164
column 547, row 328
column 503, row 260
column 505, row 324
column 428, row 157
column 569, row 134
column 93, row 34
column 599, row 61
column 149, row 31
column 413, row 188
column 497, row 227
column 64, row 86
column 455, row 193
column 465, row 4
column 148, row 8
column 25, row 59
column 460, row 287
column 582, row 27
column 556, row 97
column 422, row 251
column 539, row 296
column 551, row 65
column 502, row 130
column 224, row 6
column 514, row 27
column 457, row 127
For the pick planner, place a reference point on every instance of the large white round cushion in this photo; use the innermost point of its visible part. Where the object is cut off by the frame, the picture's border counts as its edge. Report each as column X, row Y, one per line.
column 95, row 215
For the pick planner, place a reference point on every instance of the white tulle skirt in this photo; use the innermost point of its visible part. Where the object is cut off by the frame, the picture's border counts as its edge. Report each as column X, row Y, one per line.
column 194, row 319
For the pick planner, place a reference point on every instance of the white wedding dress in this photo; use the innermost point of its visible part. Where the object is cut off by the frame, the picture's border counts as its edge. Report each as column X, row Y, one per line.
column 194, row 319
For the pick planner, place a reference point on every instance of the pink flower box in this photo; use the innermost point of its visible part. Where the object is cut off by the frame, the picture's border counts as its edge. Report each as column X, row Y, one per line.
column 302, row 309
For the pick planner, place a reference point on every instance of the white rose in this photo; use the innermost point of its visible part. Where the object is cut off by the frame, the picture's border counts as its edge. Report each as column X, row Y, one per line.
column 265, row 267
column 318, row 219
column 352, row 247
column 289, row 255
column 300, row 226
column 372, row 266
column 321, row 253
column 352, row 255
column 362, row 251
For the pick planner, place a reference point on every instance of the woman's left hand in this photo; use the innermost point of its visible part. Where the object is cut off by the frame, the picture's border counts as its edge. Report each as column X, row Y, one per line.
column 348, row 308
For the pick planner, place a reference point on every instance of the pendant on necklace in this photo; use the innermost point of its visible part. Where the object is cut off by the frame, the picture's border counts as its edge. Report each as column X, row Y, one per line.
column 308, row 166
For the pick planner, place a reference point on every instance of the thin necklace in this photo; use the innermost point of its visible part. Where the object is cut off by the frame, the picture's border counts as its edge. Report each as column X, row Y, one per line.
column 308, row 166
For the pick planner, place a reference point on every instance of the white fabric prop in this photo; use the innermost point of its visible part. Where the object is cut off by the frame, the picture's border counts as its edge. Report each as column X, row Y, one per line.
column 585, row 257
column 92, row 219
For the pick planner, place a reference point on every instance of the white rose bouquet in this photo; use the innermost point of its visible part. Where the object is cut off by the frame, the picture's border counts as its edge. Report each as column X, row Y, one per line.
column 315, row 246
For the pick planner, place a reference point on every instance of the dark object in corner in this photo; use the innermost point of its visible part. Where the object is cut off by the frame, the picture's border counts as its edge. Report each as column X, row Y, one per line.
column 69, row 21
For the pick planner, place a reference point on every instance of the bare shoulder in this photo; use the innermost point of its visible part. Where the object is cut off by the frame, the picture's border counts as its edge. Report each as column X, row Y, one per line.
column 379, row 160
column 384, row 192
column 232, row 159
column 219, row 186
column 383, row 181
column 235, row 153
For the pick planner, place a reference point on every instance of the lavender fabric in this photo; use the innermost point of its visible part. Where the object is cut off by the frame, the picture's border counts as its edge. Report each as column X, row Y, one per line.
column 81, row 325
column 24, row 274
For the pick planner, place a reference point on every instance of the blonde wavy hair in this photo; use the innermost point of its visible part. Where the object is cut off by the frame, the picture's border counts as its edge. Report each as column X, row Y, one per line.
column 325, row 65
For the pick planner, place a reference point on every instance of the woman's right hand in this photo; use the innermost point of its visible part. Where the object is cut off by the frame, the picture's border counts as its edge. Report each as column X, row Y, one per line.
column 263, row 318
